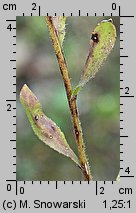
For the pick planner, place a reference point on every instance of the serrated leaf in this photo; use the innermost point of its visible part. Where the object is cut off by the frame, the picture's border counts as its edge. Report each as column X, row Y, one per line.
column 59, row 23
column 102, row 42
column 46, row 130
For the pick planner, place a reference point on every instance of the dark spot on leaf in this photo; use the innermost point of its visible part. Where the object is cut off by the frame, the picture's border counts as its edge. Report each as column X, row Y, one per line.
column 50, row 136
column 77, row 133
column 36, row 117
column 95, row 37
column 110, row 20
column 53, row 127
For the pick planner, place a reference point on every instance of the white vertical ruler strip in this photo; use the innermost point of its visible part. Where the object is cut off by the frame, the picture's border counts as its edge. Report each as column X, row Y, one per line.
column 80, row 196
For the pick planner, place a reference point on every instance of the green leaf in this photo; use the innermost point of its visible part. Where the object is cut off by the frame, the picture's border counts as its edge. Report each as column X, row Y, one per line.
column 46, row 130
column 59, row 23
column 102, row 42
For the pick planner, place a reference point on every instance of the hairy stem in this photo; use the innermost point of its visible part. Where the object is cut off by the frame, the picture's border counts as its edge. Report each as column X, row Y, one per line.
column 72, row 101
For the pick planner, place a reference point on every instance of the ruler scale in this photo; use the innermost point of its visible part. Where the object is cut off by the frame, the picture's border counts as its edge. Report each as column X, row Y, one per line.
column 106, row 196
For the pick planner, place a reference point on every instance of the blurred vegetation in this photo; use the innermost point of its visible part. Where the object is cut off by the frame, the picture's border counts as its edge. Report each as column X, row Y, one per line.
column 98, row 102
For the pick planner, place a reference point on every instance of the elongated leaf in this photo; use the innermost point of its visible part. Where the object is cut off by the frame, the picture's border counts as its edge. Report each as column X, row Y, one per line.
column 46, row 130
column 59, row 23
column 102, row 41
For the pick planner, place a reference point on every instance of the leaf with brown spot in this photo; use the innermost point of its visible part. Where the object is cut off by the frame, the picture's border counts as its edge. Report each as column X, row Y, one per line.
column 101, row 43
column 46, row 130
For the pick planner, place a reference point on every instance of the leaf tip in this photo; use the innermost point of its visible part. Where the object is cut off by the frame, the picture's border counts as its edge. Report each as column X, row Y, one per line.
column 28, row 99
column 108, row 20
column 23, row 89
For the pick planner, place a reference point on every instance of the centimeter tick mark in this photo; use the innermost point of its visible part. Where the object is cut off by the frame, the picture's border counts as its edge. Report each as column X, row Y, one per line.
column 123, row 56
column 16, row 187
column 11, row 100
column 12, row 59
column 39, row 11
column 11, row 20
column 56, row 184
column 96, row 187
column 79, row 13
column 127, row 96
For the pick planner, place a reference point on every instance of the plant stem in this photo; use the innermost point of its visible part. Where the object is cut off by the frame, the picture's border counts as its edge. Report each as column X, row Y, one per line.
column 72, row 101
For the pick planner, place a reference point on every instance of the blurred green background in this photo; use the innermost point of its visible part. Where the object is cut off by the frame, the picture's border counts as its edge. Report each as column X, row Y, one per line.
column 98, row 102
